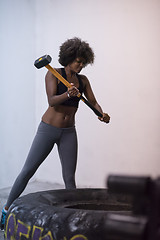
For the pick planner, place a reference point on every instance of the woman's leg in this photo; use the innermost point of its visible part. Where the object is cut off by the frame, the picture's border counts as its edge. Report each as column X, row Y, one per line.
column 41, row 147
column 67, row 148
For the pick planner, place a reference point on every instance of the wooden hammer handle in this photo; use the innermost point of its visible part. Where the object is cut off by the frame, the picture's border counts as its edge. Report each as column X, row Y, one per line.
column 68, row 85
column 59, row 76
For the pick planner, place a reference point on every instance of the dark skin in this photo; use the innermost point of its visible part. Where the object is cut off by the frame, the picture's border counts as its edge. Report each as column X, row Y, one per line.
column 64, row 116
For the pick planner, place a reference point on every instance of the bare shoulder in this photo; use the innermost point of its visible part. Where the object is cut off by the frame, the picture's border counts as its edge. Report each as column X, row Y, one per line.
column 84, row 79
column 50, row 77
column 59, row 70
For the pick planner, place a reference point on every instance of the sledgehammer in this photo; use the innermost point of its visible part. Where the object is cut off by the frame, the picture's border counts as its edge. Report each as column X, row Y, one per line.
column 44, row 62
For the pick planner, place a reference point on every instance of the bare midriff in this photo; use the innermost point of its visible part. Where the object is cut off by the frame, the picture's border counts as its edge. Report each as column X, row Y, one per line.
column 60, row 116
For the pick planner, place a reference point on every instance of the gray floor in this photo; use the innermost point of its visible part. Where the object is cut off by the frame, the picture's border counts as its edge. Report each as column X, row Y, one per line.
column 31, row 187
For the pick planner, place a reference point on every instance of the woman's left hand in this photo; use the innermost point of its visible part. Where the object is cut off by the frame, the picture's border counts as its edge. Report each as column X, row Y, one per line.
column 105, row 118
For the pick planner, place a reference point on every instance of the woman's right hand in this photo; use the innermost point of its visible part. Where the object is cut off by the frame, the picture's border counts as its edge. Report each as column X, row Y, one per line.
column 72, row 91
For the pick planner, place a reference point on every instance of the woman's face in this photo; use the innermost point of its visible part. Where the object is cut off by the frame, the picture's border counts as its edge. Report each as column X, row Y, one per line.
column 77, row 64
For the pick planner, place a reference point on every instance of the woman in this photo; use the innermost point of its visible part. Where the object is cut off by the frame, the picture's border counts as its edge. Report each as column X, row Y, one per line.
column 58, row 122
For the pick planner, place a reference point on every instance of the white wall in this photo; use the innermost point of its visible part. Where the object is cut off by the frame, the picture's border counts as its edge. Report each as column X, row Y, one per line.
column 125, row 36
column 17, row 86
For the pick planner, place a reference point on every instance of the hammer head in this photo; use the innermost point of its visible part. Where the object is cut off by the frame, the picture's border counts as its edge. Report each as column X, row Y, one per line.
column 42, row 61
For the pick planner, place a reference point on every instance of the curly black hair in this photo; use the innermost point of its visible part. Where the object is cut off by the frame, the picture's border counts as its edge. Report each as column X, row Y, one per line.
column 73, row 48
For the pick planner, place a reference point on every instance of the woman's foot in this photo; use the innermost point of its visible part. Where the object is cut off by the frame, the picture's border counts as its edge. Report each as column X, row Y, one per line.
column 3, row 217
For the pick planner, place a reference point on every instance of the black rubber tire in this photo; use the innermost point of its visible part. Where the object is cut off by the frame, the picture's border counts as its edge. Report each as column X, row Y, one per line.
column 63, row 214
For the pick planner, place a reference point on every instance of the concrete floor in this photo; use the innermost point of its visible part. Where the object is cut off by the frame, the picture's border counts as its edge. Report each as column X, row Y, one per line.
column 31, row 187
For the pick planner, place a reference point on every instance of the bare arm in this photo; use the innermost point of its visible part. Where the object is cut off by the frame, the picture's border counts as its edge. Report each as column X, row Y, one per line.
column 91, row 98
column 51, row 89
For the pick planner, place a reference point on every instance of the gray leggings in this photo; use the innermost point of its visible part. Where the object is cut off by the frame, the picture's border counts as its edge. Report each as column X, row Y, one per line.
column 47, row 135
